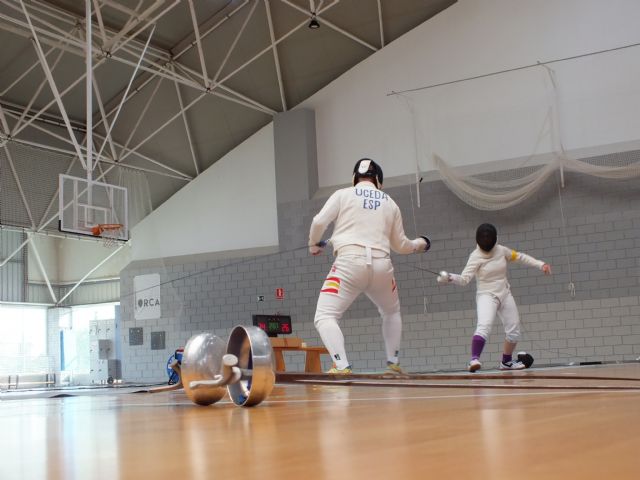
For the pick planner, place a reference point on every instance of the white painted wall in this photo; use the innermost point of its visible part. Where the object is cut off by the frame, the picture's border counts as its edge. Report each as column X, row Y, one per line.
column 495, row 118
column 230, row 206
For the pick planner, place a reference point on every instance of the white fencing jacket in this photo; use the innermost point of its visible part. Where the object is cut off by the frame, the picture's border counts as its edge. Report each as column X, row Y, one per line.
column 363, row 216
column 490, row 269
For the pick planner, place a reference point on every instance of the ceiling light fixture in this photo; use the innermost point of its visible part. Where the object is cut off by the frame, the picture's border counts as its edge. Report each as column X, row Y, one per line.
column 314, row 24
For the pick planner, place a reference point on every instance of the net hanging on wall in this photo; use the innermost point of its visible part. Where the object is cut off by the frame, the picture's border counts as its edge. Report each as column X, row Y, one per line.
column 506, row 188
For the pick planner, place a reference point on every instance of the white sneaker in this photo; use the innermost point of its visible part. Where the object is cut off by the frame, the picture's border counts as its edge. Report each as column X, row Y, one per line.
column 511, row 366
column 474, row 365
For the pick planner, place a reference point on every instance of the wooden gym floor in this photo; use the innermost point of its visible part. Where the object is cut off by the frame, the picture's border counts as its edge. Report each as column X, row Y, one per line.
column 335, row 432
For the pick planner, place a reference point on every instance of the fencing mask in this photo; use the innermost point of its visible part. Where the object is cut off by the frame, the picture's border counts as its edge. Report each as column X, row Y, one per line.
column 365, row 167
column 486, row 236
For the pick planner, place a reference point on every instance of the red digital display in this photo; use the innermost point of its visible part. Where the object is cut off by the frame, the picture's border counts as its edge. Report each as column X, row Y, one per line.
column 273, row 324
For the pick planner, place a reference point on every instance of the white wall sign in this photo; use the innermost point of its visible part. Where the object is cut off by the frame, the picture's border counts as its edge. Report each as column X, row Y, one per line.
column 147, row 298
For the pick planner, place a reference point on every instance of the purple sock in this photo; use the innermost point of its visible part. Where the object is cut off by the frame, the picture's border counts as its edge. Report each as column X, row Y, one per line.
column 506, row 358
column 477, row 344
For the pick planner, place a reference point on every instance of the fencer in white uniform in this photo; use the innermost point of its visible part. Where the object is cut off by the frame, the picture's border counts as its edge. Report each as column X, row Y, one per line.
column 488, row 263
column 368, row 224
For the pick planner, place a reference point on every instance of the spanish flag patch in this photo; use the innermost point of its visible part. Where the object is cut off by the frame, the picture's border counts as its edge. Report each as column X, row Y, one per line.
column 331, row 285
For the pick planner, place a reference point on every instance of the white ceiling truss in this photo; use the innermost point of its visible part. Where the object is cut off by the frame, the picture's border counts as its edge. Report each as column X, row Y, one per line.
column 166, row 87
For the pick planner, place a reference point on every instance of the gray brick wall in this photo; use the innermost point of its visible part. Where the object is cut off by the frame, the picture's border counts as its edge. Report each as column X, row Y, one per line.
column 599, row 250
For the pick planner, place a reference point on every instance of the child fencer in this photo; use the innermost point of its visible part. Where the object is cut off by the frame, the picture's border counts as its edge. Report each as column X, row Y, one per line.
column 367, row 226
column 488, row 263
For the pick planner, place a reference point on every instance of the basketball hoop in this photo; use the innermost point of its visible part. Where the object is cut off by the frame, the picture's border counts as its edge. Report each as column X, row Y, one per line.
column 110, row 233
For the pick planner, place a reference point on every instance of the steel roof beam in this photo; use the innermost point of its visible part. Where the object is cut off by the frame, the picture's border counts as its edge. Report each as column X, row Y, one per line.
column 88, row 59
column 180, row 112
column 185, row 81
column 186, row 71
column 187, row 129
column 259, row 54
column 82, row 77
column 134, row 20
column 142, row 114
column 253, row 103
column 144, row 27
column 203, row 64
column 52, row 84
column 27, row 71
column 103, row 158
column 101, row 29
column 133, row 75
column 161, row 70
column 265, row 50
column 161, row 127
column 235, row 42
column 331, row 25
column 73, row 19
column 241, row 99
column 36, row 93
column 248, row 102
column 276, row 60
column 380, row 23
column 5, row 126
column 103, row 115
column 187, row 43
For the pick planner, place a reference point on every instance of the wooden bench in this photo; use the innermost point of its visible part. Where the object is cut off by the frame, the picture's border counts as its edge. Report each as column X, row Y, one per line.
column 312, row 362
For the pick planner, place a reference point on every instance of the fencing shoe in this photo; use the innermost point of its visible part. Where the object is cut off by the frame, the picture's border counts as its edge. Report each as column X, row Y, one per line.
column 394, row 369
column 511, row 366
column 336, row 371
column 474, row 365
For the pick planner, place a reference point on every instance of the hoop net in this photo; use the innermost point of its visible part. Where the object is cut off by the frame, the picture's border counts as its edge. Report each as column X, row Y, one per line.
column 110, row 233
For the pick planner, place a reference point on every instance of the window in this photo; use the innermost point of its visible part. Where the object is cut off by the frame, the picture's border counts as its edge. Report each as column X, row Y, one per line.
column 23, row 340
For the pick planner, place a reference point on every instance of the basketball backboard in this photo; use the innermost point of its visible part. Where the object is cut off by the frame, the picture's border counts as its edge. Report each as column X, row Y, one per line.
column 85, row 206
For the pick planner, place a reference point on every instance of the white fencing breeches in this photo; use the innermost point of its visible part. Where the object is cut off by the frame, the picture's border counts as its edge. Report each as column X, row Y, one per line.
column 488, row 307
column 350, row 276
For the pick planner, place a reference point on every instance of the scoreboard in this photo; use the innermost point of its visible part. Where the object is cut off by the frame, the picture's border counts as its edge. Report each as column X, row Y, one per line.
column 273, row 324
